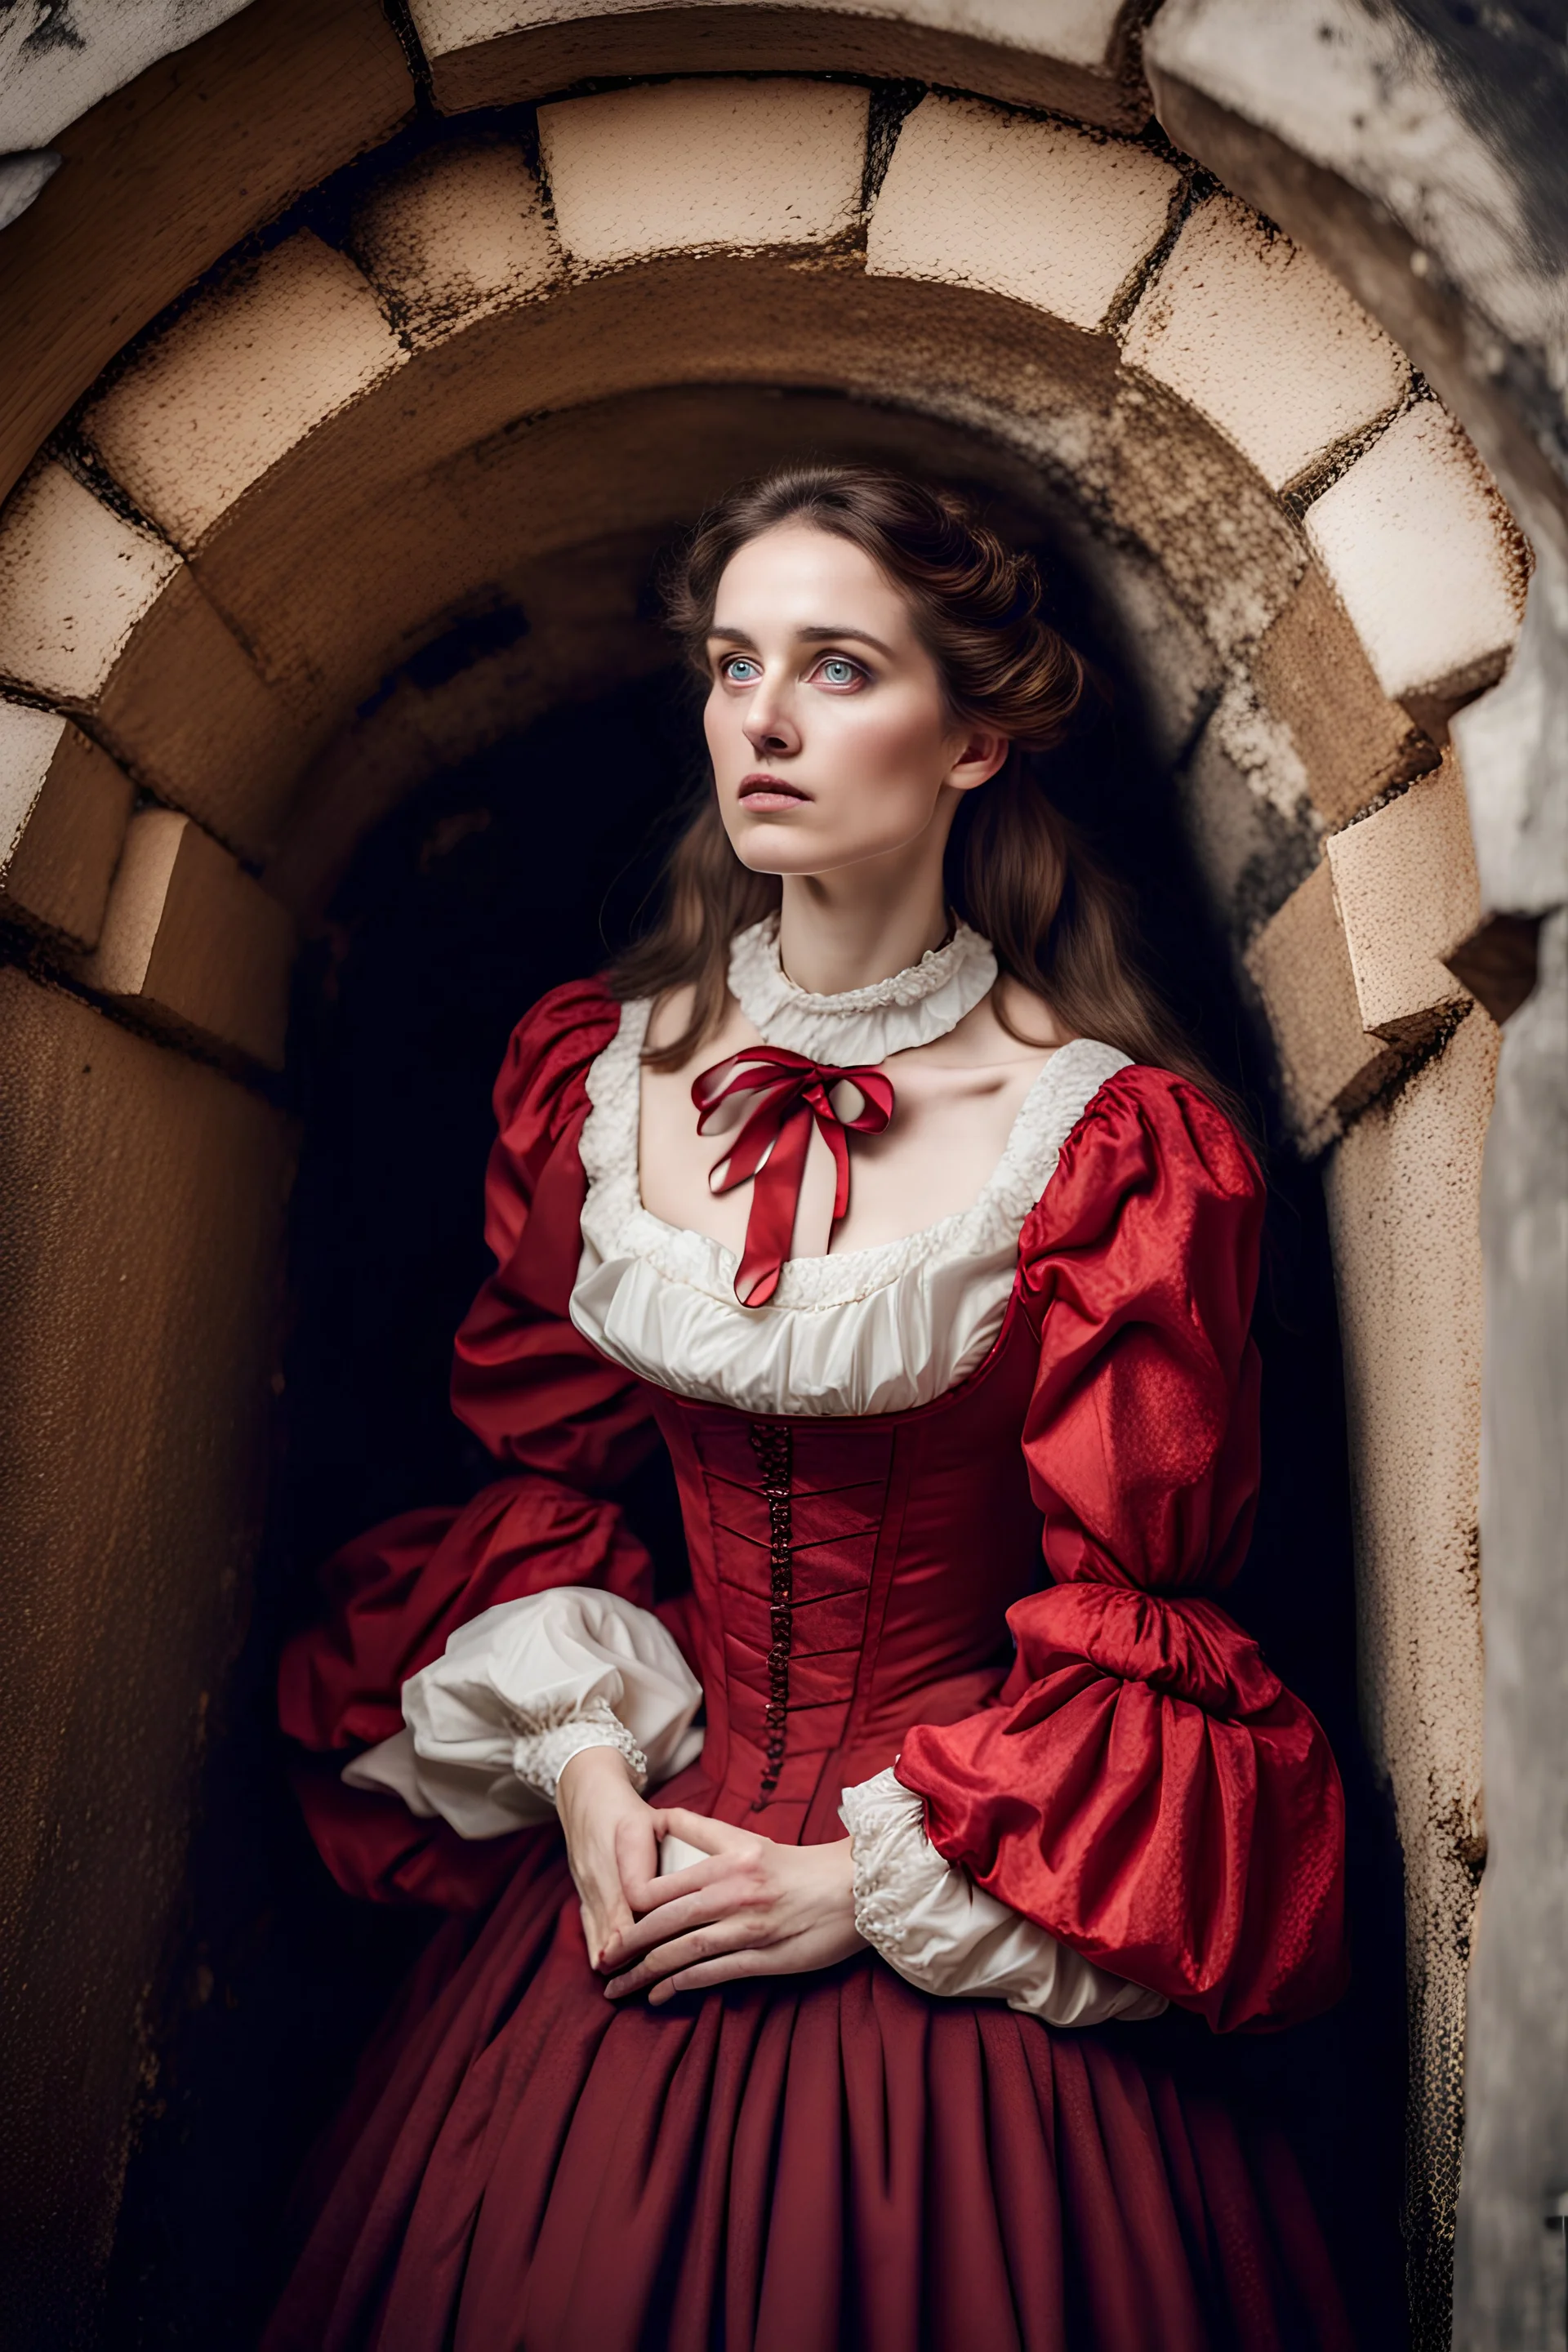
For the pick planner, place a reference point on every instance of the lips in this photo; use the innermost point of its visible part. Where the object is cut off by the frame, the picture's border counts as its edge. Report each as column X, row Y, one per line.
column 761, row 793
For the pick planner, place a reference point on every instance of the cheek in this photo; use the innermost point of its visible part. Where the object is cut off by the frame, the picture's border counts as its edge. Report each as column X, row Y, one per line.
column 897, row 750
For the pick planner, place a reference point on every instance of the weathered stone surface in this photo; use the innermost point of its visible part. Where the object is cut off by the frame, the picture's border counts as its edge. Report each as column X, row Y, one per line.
column 143, row 1204
column 1404, row 879
column 1037, row 211
column 1252, row 852
column 1421, row 551
column 239, row 380
column 167, row 175
column 74, row 580
column 1310, row 671
column 192, row 945
column 736, row 163
column 460, row 233
column 45, row 84
column 64, row 808
column 1078, row 55
column 1261, row 338
column 1404, row 1200
column 1329, row 1067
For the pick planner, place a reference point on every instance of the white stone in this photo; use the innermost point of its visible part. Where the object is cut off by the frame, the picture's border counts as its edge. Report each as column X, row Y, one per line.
column 1032, row 209
column 74, row 580
column 704, row 163
column 1415, row 540
column 1259, row 335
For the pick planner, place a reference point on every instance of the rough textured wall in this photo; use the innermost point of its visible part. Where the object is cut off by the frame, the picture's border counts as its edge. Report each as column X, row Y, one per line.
column 142, row 1197
column 1404, row 1192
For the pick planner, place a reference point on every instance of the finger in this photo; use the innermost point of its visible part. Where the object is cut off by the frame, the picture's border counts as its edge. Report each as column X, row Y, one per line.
column 685, row 1951
column 668, row 1886
column 701, row 1831
column 756, row 1960
column 701, row 1908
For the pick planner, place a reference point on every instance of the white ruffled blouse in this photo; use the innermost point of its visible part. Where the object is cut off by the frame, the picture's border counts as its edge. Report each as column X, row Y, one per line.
column 490, row 1726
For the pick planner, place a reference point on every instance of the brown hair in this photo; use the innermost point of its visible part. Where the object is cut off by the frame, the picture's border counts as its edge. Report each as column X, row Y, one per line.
column 1015, row 869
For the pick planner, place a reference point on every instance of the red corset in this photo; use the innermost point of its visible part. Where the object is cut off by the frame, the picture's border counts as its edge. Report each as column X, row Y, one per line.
column 850, row 1579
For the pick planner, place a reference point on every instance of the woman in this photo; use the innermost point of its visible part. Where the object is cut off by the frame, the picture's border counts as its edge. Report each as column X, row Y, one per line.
column 874, row 1184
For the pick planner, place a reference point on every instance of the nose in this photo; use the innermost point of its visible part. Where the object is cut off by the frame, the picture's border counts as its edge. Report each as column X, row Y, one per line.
column 770, row 728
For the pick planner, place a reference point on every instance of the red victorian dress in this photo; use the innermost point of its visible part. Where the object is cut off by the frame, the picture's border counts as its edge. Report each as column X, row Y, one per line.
column 1076, row 1797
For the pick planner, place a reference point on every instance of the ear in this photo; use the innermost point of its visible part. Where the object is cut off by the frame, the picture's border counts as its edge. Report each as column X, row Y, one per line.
column 981, row 754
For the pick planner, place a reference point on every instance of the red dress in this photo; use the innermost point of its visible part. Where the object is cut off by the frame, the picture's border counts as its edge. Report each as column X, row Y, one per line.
column 795, row 2164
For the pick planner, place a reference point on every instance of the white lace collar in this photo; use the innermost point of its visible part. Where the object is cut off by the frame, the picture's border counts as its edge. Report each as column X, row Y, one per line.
column 913, row 1007
column 863, row 1332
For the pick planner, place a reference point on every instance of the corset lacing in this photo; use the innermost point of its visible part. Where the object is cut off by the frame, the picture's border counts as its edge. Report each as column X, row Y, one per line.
column 773, row 1448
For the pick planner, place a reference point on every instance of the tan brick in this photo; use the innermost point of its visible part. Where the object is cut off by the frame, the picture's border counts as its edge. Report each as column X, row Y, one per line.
column 1036, row 211
column 700, row 163
column 64, row 808
column 74, row 580
column 192, row 945
column 1421, row 551
column 1312, row 672
column 239, row 380
column 1405, row 882
column 458, row 234
column 1264, row 339
column 1075, row 57
column 1329, row 1067
column 166, row 175
column 190, row 717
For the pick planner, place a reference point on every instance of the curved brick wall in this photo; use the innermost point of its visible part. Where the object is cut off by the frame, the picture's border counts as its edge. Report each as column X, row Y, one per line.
column 489, row 373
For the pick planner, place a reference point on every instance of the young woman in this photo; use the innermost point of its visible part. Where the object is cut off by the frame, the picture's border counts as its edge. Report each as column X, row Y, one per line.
column 875, row 1186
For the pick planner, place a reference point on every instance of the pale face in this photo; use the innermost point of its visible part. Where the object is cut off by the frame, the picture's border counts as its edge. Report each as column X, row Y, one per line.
column 826, row 725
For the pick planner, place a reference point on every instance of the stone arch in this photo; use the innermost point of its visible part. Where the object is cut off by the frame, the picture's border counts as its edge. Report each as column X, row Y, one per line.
column 472, row 380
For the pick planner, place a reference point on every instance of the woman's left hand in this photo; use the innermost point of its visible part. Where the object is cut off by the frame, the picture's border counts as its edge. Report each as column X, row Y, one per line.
column 751, row 1908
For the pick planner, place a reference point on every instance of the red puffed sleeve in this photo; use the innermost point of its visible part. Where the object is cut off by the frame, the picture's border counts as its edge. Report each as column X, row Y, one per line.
column 566, row 1423
column 1145, row 1789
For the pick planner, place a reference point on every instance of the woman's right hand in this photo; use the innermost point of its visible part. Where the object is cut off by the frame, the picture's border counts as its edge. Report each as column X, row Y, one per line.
column 610, row 1840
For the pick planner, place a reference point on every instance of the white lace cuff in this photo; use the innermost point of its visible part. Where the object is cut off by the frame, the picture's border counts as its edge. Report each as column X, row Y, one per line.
column 491, row 1723
column 947, row 1935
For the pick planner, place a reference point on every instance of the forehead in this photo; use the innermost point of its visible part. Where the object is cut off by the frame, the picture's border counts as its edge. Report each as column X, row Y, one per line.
column 797, row 577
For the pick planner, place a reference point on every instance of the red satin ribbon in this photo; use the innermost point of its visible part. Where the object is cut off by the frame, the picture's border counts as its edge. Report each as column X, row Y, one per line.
column 793, row 1096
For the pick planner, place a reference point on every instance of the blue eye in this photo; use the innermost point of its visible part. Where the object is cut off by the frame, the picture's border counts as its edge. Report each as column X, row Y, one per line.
column 837, row 671
column 739, row 670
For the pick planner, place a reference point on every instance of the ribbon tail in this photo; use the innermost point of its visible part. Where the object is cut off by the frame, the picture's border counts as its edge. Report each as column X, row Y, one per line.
column 776, row 1196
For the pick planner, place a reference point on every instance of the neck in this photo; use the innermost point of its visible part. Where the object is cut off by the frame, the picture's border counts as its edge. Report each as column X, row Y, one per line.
column 860, row 924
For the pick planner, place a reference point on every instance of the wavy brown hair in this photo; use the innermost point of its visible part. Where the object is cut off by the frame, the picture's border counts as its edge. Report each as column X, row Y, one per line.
column 1015, row 869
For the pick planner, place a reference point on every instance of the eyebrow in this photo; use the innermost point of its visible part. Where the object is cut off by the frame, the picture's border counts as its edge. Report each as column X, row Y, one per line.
column 820, row 636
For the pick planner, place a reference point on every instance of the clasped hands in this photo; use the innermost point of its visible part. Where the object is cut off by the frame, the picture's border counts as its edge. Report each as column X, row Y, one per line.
column 749, row 1907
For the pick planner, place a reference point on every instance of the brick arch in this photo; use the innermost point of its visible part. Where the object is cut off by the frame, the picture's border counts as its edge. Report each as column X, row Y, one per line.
column 498, row 364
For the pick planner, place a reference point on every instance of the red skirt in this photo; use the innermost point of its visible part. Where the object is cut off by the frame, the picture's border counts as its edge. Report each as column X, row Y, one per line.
column 790, row 2164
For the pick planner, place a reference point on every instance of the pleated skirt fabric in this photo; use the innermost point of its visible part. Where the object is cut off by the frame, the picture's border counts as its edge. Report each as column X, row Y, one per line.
column 790, row 2164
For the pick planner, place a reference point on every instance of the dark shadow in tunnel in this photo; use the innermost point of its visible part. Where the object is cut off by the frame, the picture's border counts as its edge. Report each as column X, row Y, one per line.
column 487, row 886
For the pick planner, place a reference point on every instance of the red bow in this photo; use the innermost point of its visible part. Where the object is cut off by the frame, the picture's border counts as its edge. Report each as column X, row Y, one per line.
column 794, row 1095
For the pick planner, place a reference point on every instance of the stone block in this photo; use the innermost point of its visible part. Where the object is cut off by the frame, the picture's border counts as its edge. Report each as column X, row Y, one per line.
column 1076, row 56
column 1251, row 852
column 64, row 808
column 185, row 712
column 1265, row 340
column 1423, row 554
column 75, row 579
column 1329, row 1067
column 1405, row 882
column 239, row 379
column 165, row 176
column 458, row 234
column 1312, row 672
column 192, row 945
column 742, row 164
column 143, row 1196
column 1036, row 211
